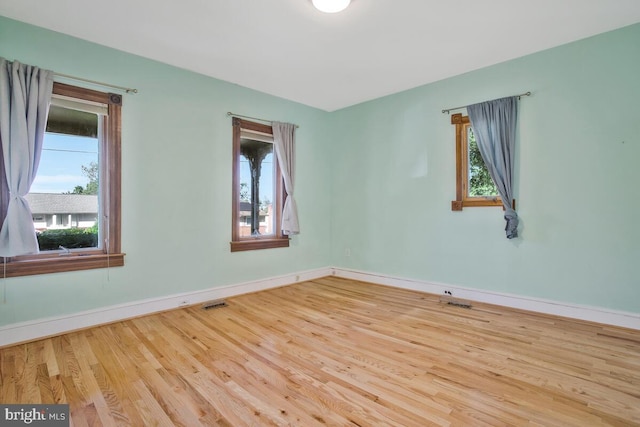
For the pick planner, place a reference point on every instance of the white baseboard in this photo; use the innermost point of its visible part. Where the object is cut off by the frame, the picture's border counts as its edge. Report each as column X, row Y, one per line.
column 35, row 329
column 574, row 311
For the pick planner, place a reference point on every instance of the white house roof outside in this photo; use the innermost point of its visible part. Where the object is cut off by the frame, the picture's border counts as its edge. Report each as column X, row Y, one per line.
column 47, row 203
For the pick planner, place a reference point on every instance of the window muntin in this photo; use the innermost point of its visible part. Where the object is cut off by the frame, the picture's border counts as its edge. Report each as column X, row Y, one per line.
column 474, row 186
column 107, row 251
column 258, row 190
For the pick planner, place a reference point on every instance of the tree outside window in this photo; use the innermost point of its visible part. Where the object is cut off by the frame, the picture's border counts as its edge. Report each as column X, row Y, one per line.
column 474, row 186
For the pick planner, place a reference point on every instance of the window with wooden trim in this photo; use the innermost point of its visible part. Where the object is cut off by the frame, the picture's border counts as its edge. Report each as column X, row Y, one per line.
column 258, row 189
column 75, row 197
column 474, row 186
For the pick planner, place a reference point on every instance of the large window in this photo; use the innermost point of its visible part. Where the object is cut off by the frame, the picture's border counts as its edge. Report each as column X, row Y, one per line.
column 474, row 186
column 257, row 189
column 75, row 197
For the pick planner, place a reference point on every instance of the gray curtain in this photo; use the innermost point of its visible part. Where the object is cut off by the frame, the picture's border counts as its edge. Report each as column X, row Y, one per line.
column 494, row 126
column 284, row 140
column 25, row 94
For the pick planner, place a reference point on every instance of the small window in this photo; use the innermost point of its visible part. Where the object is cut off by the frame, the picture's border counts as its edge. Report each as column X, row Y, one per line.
column 474, row 186
column 479, row 182
column 258, row 190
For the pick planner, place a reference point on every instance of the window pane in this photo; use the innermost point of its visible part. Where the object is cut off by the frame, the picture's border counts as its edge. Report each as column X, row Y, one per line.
column 480, row 183
column 256, row 188
column 64, row 197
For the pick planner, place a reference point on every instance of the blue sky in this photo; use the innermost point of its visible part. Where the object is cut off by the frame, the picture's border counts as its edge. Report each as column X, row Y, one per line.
column 61, row 162
column 266, row 185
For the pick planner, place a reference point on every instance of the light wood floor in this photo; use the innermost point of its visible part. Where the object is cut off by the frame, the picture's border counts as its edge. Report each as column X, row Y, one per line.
column 338, row 353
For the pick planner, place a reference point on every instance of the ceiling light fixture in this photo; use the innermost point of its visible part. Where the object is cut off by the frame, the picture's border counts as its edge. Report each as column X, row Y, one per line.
column 331, row 6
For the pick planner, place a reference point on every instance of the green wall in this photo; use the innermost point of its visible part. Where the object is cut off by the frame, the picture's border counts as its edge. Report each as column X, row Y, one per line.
column 176, row 197
column 576, row 184
column 376, row 179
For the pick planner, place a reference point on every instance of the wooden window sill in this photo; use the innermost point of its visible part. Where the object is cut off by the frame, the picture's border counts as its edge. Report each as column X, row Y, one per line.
column 64, row 263
column 255, row 244
column 457, row 205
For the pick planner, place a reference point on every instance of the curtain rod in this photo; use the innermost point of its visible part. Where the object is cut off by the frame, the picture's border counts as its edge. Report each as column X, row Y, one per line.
column 80, row 79
column 229, row 113
column 460, row 108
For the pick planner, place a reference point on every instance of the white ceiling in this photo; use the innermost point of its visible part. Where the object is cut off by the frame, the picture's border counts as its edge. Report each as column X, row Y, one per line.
column 329, row 61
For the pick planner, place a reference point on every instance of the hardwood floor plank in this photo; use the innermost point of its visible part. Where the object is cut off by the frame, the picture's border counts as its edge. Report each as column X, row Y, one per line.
column 150, row 411
column 114, row 383
column 7, row 376
column 335, row 352
column 44, row 383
